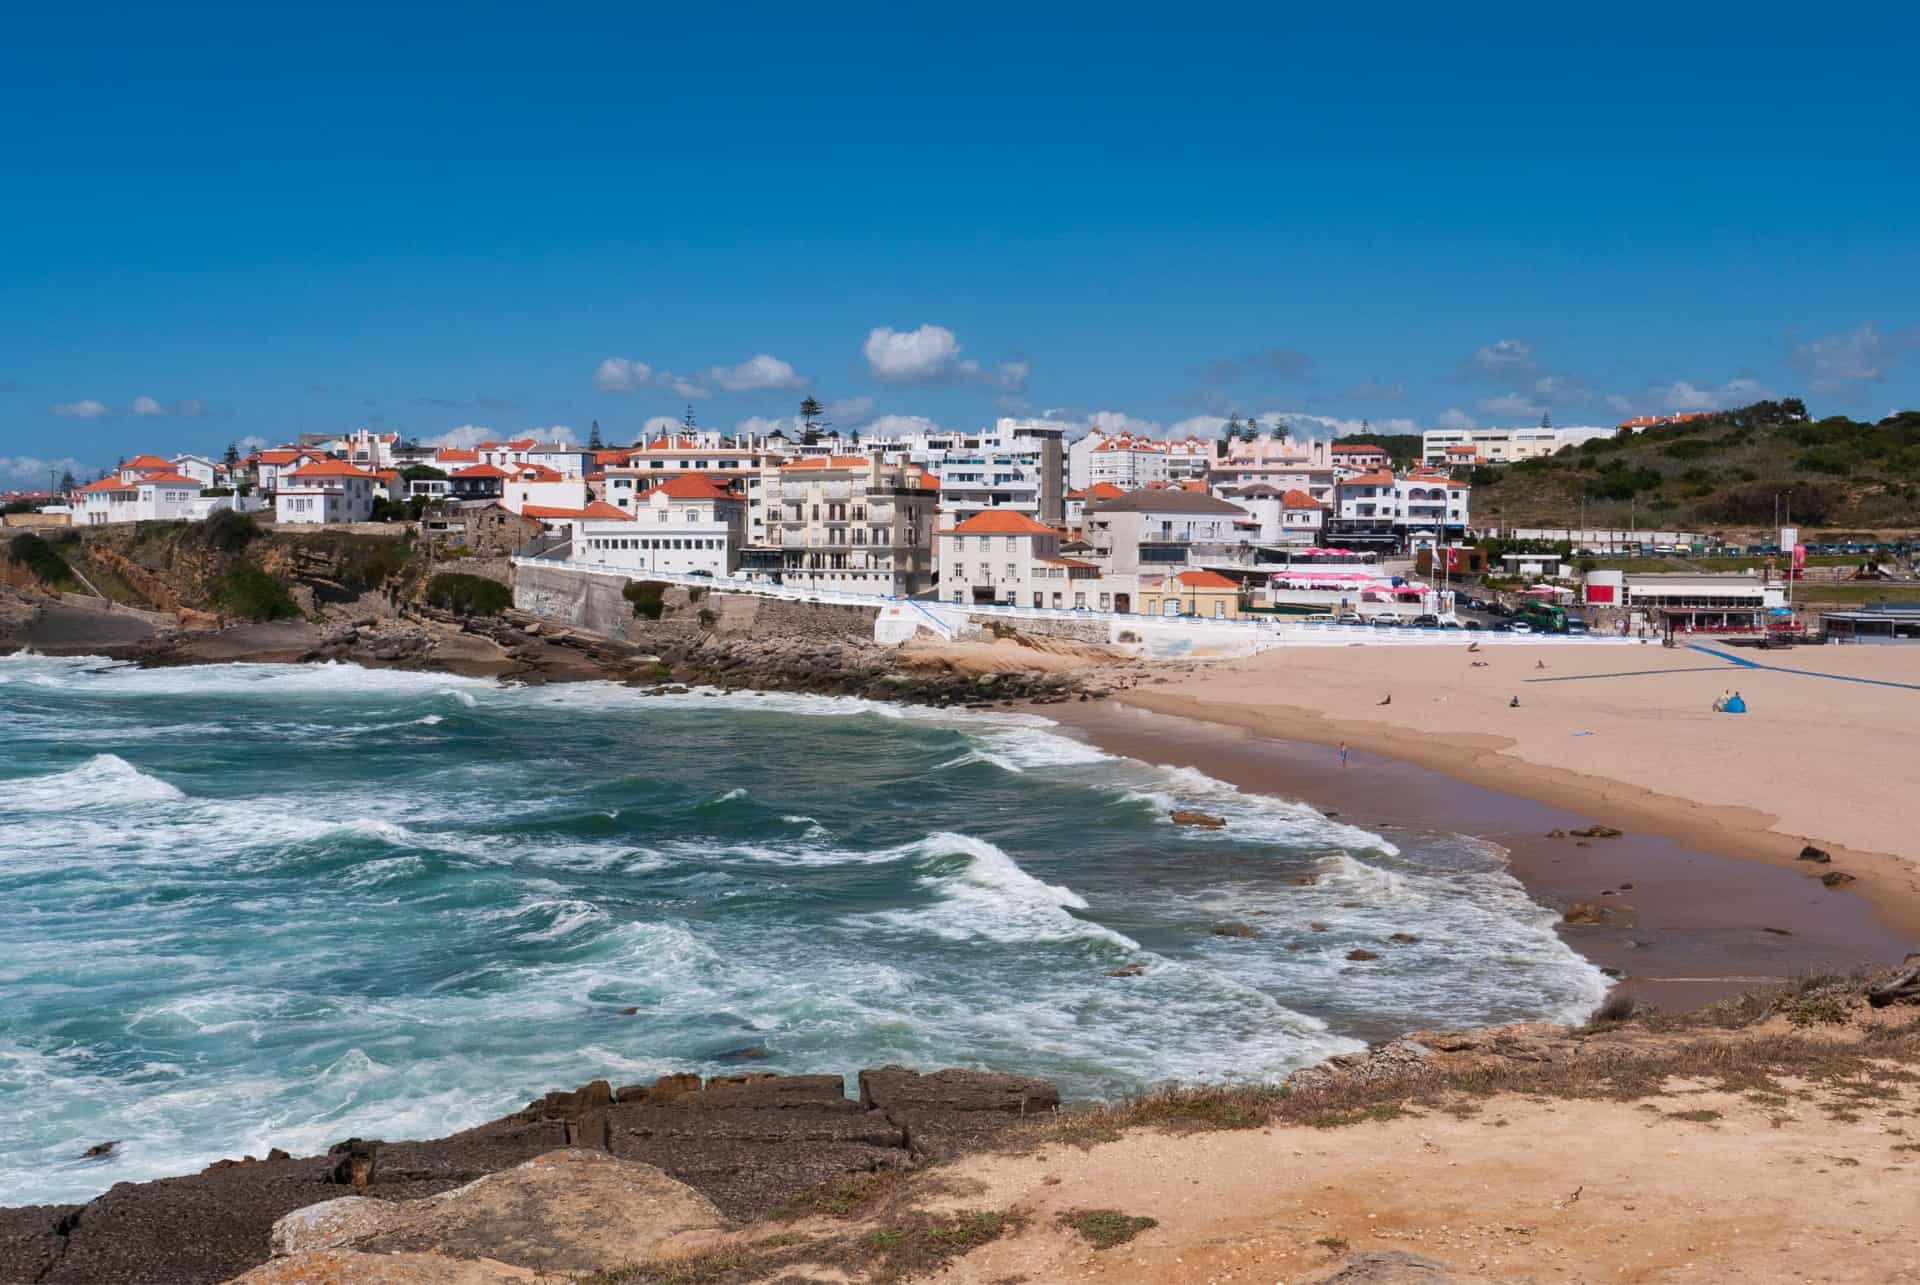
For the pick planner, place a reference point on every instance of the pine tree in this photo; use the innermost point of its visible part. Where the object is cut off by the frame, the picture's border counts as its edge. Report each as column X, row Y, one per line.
column 67, row 482
column 812, row 414
column 232, row 458
column 1252, row 431
column 593, row 438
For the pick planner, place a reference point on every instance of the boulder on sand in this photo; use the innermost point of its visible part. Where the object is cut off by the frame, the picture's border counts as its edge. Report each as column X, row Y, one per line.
column 1818, row 855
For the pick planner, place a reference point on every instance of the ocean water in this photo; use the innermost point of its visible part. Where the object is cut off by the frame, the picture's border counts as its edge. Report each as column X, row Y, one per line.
column 254, row 906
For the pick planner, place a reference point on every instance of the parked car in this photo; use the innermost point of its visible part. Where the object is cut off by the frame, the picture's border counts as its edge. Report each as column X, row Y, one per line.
column 1387, row 620
column 1518, row 627
column 1348, row 618
column 1576, row 626
column 702, row 572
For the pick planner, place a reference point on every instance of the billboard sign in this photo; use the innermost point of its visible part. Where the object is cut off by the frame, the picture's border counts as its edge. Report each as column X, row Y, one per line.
column 1789, row 536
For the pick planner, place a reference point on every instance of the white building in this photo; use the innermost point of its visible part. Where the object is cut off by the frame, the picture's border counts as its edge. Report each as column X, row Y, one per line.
column 269, row 466
column 687, row 524
column 1131, row 461
column 200, row 469
column 1018, row 464
column 326, row 491
column 1290, row 517
column 537, row 484
column 365, row 449
column 1379, row 507
column 154, row 497
column 730, row 461
column 1501, row 445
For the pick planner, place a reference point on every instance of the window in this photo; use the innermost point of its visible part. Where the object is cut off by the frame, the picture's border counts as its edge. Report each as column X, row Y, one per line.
column 1219, row 609
column 1106, row 600
column 1037, row 599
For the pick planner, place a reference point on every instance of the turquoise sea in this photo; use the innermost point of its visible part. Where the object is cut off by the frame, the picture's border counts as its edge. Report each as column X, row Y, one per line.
column 254, row 906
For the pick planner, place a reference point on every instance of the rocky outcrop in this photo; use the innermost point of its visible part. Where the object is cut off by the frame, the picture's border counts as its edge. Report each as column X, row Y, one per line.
column 351, row 1267
column 746, row 1144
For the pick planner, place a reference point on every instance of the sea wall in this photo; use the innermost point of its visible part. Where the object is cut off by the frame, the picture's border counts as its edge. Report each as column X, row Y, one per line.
column 596, row 603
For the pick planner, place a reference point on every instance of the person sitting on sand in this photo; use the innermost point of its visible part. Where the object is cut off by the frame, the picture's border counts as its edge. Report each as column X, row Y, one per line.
column 1720, row 701
column 1473, row 646
column 1514, row 703
column 1539, row 664
column 1387, row 699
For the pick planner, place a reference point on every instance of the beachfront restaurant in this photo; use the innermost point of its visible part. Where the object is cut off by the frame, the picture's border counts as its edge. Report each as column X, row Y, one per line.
column 1881, row 622
column 1720, row 606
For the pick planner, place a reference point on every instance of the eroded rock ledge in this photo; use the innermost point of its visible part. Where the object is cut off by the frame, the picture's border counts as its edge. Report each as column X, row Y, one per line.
column 745, row 1143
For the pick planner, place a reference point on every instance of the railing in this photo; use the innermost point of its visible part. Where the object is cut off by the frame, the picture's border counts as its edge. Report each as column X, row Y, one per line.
column 1256, row 625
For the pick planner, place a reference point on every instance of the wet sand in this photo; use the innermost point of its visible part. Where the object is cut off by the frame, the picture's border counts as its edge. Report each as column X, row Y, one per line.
column 1692, row 927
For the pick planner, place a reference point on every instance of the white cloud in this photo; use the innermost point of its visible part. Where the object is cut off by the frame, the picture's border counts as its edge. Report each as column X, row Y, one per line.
column 463, row 438
column 1510, row 406
column 1010, row 376
column 37, row 474
column 1198, row 426
column 1856, row 356
column 756, row 372
column 1560, row 389
column 1114, row 422
column 190, row 407
column 145, row 406
column 894, row 425
column 250, row 443
column 850, row 410
column 558, row 434
column 625, row 375
column 659, row 425
column 910, row 356
column 1455, row 418
column 1504, row 358
column 1685, row 395
column 759, row 426
column 1302, row 424
column 621, row 375
column 87, row 409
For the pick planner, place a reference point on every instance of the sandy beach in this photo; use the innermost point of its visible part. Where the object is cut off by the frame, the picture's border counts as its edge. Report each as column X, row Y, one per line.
column 1828, row 754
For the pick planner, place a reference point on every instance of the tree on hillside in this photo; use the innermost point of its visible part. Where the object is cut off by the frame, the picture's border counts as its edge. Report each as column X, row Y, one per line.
column 593, row 438
column 812, row 414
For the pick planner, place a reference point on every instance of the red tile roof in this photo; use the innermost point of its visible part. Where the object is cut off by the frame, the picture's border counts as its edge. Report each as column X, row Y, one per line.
column 148, row 462
column 1206, row 580
column 1001, row 522
column 166, row 479
column 597, row 509
column 691, row 486
column 455, row 455
column 482, row 470
column 828, row 461
column 536, row 473
column 1299, row 500
column 1357, row 448
column 330, row 468
column 106, row 484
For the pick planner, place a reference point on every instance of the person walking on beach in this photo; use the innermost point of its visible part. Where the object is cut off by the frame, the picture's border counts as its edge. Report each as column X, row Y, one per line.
column 1343, row 754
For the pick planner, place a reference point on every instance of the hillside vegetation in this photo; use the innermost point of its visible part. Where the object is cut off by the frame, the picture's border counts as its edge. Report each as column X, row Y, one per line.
column 1719, row 473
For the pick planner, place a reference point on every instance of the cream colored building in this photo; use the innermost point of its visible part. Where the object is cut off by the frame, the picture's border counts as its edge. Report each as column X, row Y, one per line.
column 846, row 522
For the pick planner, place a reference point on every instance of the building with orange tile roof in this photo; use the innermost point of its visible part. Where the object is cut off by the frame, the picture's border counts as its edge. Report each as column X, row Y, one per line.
column 324, row 491
column 844, row 522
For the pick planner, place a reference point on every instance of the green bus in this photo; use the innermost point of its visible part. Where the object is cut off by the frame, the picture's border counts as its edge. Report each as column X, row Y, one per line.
column 1545, row 617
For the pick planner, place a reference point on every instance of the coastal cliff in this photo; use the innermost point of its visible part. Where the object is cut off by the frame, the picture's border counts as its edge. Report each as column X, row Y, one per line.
column 1487, row 1155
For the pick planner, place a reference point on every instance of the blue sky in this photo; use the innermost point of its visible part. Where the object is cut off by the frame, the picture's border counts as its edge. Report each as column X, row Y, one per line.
column 223, row 223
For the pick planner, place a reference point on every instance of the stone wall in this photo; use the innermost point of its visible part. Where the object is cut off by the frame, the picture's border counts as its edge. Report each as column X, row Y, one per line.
column 986, row 628
column 595, row 603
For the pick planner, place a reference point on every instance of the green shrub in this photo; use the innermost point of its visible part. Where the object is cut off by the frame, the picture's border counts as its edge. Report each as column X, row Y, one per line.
column 709, row 617
column 227, row 531
column 468, row 595
column 1688, row 449
column 247, row 591
column 645, row 597
column 1825, row 459
column 39, row 557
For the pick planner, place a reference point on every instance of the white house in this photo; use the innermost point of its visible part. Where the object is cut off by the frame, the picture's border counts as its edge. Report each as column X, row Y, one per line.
column 538, row 485
column 366, row 449
column 1154, row 530
column 199, row 468
column 326, row 491
column 269, row 466
column 155, row 497
column 688, row 523
column 1130, row 461
column 567, row 461
column 1281, row 517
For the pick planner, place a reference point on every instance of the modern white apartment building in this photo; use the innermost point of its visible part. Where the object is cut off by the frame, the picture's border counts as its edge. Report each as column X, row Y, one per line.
column 847, row 522
column 1502, row 445
column 736, row 461
column 1018, row 464
column 1382, row 508
column 1131, row 461
column 1290, row 517
column 687, row 523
